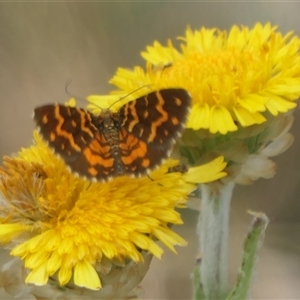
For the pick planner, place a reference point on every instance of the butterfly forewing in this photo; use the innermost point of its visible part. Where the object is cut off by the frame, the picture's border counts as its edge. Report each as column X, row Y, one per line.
column 158, row 117
column 131, row 142
column 66, row 129
column 152, row 122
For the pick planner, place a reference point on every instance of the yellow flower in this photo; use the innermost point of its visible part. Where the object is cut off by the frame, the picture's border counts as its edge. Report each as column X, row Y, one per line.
column 243, row 85
column 236, row 79
column 64, row 226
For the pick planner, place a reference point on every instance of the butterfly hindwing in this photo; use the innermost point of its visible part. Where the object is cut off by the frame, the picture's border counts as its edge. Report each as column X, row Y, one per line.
column 137, row 156
column 96, row 160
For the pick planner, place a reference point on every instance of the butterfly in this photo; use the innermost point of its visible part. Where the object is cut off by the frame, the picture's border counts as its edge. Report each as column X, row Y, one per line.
column 131, row 142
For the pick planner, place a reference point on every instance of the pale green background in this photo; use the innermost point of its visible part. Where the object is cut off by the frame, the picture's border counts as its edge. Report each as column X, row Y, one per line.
column 44, row 44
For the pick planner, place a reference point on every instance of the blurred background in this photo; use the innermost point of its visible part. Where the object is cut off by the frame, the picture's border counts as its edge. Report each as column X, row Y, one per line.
column 44, row 44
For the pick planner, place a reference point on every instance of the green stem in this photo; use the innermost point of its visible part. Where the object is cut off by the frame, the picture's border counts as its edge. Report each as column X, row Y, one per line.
column 213, row 230
column 251, row 246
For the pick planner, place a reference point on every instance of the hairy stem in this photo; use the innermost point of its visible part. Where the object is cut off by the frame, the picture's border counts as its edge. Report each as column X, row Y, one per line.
column 213, row 230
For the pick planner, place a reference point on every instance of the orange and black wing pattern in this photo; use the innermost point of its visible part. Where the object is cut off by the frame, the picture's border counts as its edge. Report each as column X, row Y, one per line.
column 71, row 133
column 150, row 126
column 137, row 140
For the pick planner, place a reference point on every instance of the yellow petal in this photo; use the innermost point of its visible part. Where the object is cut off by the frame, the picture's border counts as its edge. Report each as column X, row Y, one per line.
column 65, row 272
column 199, row 117
column 86, row 276
column 38, row 276
column 221, row 120
column 276, row 104
column 205, row 173
column 10, row 231
column 170, row 238
column 246, row 118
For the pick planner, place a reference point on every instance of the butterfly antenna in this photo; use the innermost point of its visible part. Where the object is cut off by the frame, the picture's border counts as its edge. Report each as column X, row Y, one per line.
column 147, row 85
column 68, row 83
column 76, row 97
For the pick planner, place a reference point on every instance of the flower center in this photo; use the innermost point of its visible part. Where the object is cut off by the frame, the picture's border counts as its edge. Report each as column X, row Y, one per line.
column 218, row 78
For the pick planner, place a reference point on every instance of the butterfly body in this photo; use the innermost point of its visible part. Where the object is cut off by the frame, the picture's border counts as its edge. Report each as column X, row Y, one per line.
column 130, row 142
column 109, row 124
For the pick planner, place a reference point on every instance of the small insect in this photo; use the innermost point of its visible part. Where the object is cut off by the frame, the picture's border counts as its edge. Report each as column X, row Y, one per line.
column 178, row 168
column 132, row 141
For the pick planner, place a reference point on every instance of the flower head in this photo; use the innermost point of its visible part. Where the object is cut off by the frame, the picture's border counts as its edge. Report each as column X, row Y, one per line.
column 67, row 227
column 242, row 82
column 235, row 79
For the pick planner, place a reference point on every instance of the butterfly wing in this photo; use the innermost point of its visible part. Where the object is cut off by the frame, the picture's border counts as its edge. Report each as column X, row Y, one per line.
column 66, row 129
column 137, row 157
column 158, row 117
column 96, row 161
column 150, row 126
column 71, row 133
